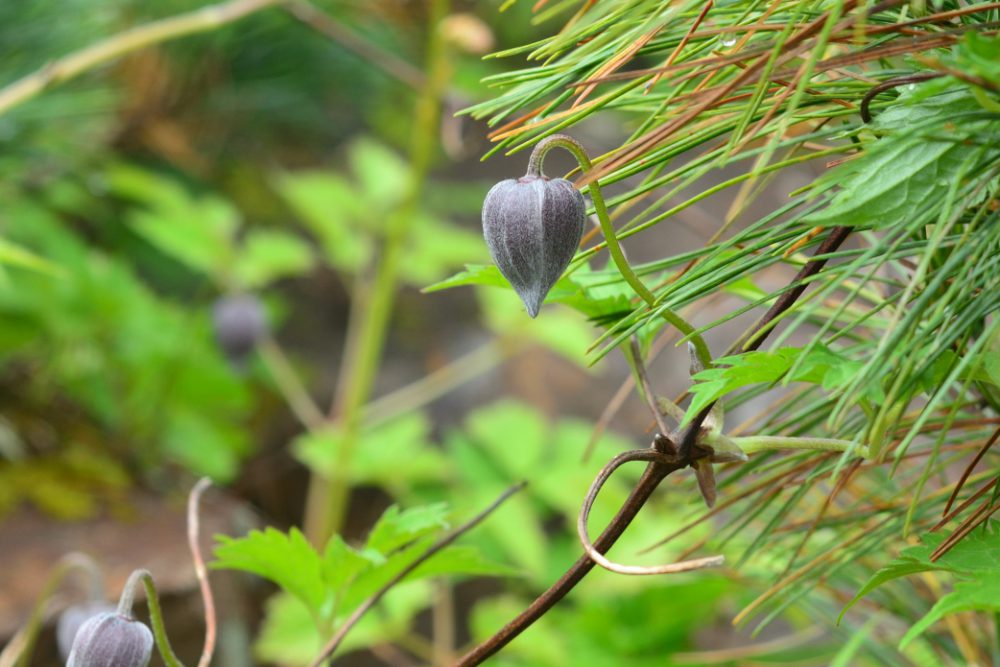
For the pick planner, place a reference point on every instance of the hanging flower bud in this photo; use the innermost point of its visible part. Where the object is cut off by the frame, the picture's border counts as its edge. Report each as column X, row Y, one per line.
column 111, row 639
column 533, row 227
column 73, row 618
column 239, row 325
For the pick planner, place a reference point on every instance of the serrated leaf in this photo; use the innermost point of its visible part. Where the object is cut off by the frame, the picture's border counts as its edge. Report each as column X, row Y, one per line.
column 820, row 365
column 892, row 182
column 396, row 527
column 980, row 595
column 976, row 557
column 286, row 559
column 733, row 372
column 342, row 564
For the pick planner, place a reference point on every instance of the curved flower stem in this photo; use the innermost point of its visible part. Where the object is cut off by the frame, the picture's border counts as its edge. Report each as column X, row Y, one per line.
column 155, row 613
column 763, row 443
column 595, row 488
column 614, row 248
column 194, row 502
column 19, row 649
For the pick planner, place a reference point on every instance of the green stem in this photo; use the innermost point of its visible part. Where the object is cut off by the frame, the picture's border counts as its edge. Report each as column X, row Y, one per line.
column 614, row 248
column 762, row 443
column 289, row 385
column 155, row 613
column 328, row 496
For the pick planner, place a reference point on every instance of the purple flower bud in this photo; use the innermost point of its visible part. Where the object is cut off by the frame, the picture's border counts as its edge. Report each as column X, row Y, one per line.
column 533, row 227
column 239, row 325
column 111, row 640
column 73, row 618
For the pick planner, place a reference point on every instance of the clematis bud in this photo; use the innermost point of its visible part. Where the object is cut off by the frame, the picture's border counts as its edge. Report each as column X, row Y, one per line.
column 533, row 226
column 73, row 618
column 239, row 325
column 111, row 640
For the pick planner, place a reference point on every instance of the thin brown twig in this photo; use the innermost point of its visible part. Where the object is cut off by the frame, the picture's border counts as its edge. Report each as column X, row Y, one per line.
column 968, row 501
column 194, row 501
column 755, row 336
column 655, row 473
column 595, row 488
column 646, row 388
column 981, row 515
column 866, row 101
column 353, row 619
column 610, row 410
column 845, row 477
column 968, row 470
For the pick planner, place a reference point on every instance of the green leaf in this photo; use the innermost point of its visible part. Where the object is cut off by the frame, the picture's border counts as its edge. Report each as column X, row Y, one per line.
column 980, row 595
column 601, row 296
column 979, row 55
column 976, row 559
column 379, row 451
column 384, row 176
column 559, row 329
column 514, row 435
column 892, row 182
column 204, row 446
column 820, row 365
column 474, row 274
column 461, row 560
column 329, row 206
column 196, row 231
column 730, row 373
column 286, row 559
column 267, row 256
column 396, row 527
column 436, row 247
column 342, row 564
column 288, row 635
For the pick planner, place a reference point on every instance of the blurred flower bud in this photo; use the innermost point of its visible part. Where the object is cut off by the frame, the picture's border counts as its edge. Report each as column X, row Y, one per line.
column 239, row 325
column 111, row 640
column 468, row 32
column 533, row 227
column 72, row 618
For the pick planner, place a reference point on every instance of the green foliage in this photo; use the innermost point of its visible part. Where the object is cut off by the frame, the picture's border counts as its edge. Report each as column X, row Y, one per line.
column 138, row 365
column 818, row 365
column 332, row 584
column 975, row 561
column 201, row 233
column 382, row 449
column 608, row 629
column 348, row 214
